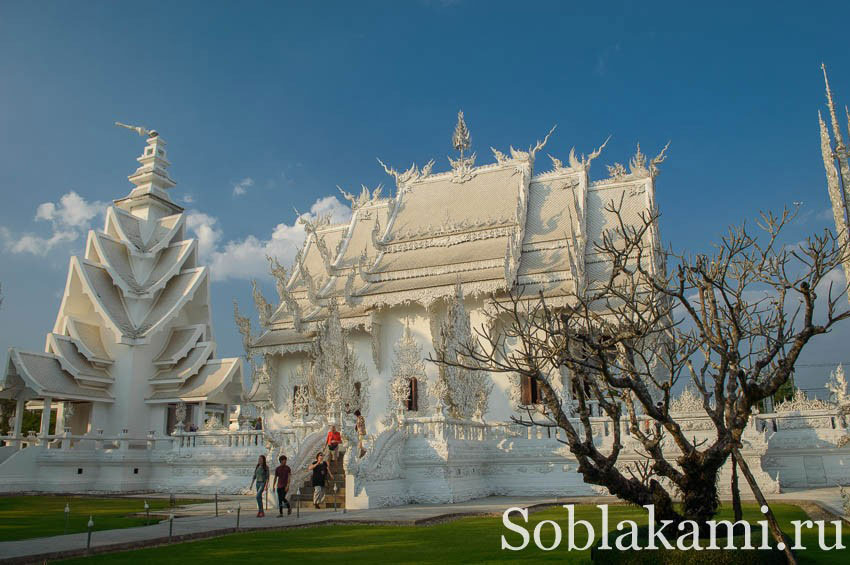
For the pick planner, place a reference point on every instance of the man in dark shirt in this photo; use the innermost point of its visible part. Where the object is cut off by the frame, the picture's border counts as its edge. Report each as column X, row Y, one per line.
column 320, row 471
column 281, row 480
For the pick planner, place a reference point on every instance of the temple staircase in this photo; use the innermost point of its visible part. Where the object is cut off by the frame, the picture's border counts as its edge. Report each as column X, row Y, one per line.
column 332, row 499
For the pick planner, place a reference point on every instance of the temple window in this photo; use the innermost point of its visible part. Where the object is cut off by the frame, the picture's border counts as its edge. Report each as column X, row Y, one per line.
column 530, row 391
column 413, row 395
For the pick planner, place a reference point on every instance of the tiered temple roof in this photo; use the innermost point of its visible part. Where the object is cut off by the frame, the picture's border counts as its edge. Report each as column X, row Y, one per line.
column 137, row 288
column 492, row 229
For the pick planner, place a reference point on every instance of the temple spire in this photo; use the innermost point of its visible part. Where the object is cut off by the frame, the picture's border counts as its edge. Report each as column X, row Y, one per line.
column 836, row 129
column 460, row 138
column 151, row 178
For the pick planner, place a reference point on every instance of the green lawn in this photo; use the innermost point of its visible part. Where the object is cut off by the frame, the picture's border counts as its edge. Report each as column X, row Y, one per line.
column 465, row 540
column 23, row 517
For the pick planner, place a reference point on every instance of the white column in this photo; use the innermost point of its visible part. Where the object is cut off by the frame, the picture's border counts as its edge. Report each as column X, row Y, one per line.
column 199, row 417
column 45, row 419
column 226, row 418
column 19, row 418
column 59, row 427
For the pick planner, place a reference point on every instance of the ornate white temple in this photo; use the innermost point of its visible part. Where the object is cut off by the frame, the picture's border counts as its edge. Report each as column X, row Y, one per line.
column 369, row 301
column 131, row 357
column 141, row 403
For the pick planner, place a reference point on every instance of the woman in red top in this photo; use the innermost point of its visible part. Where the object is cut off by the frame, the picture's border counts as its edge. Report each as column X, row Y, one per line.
column 333, row 441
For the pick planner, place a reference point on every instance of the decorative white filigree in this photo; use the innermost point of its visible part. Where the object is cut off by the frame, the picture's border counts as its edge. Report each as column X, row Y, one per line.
column 638, row 166
column 365, row 197
column 180, row 414
column 375, row 333
column 67, row 414
column 464, row 393
column 837, row 385
column 287, row 301
column 800, row 403
column 264, row 309
column 408, row 364
column 688, row 402
column 336, row 380
column 405, row 179
column 243, row 324
column 213, row 423
column 528, row 156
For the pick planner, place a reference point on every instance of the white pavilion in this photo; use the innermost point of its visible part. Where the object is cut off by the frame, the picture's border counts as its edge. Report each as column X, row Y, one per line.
column 131, row 357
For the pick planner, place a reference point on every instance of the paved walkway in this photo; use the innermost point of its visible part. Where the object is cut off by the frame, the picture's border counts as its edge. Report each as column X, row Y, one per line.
column 197, row 521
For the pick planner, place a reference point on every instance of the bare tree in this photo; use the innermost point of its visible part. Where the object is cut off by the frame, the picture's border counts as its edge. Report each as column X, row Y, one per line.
column 732, row 322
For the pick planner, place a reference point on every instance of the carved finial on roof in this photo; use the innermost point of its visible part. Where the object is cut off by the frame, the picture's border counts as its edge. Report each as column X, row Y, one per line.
column 365, row 197
column 532, row 151
column 281, row 279
column 348, row 291
column 657, row 160
column 584, row 162
column 402, row 180
column 264, row 309
column 142, row 131
column 460, row 138
column 243, row 323
column 637, row 164
column 281, row 276
column 839, row 141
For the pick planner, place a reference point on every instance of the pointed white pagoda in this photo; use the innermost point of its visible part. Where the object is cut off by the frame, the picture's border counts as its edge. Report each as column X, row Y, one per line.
column 132, row 351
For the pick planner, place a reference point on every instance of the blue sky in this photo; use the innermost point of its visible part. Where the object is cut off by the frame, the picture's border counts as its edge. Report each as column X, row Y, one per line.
column 267, row 106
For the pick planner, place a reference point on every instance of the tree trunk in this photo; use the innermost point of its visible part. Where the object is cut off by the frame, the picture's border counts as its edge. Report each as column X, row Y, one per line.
column 736, row 494
column 699, row 495
column 771, row 519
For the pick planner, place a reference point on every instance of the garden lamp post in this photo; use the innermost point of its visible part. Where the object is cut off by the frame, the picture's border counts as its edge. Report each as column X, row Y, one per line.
column 90, row 526
column 170, row 526
column 336, row 500
column 298, row 503
column 147, row 513
column 238, row 512
column 67, row 515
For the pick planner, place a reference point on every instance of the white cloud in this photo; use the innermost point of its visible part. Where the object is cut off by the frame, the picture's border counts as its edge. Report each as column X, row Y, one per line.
column 188, row 199
column 242, row 186
column 246, row 258
column 70, row 218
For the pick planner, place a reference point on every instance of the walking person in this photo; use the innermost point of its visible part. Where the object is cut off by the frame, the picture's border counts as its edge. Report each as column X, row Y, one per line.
column 261, row 478
column 281, row 483
column 320, row 472
column 333, row 440
column 360, row 428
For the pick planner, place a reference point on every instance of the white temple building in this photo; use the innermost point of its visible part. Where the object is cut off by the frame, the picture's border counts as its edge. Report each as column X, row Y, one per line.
column 131, row 357
column 368, row 302
column 142, row 403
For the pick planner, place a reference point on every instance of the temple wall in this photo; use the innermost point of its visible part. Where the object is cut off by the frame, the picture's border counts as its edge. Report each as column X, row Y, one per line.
column 197, row 463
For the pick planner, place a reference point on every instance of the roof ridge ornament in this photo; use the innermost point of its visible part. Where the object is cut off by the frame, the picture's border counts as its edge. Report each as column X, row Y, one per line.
column 529, row 155
column 638, row 167
column 408, row 177
column 365, row 197
column 461, row 141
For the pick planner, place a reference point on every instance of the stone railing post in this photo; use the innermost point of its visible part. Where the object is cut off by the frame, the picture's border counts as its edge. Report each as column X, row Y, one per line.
column 66, row 438
column 151, row 444
column 123, row 441
column 98, row 442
